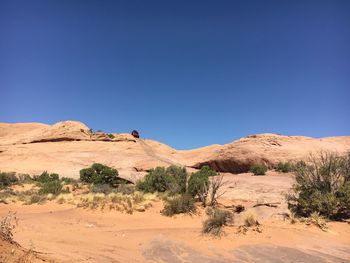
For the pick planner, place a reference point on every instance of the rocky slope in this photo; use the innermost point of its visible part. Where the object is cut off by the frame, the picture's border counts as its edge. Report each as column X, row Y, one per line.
column 66, row 147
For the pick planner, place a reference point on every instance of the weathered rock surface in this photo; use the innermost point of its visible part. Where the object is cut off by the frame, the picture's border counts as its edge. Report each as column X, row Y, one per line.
column 66, row 147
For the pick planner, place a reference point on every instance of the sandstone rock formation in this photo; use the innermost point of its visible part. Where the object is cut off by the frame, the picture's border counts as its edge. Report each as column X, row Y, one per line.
column 66, row 147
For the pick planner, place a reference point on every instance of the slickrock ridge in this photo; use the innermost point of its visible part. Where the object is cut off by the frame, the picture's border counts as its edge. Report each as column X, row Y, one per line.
column 68, row 146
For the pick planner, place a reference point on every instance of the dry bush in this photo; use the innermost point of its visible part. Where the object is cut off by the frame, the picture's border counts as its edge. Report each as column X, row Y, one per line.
column 7, row 225
column 250, row 220
column 179, row 204
column 217, row 219
column 115, row 201
column 215, row 189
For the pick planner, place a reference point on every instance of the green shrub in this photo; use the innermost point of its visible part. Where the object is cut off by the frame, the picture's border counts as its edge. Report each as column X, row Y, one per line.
column 7, row 179
column 217, row 219
column 110, row 135
column 322, row 186
column 179, row 204
column 160, row 179
column 198, row 184
column 284, row 167
column 45, row 177
column 101, row 174
column 25, row 179
column 68, row 180
column 180, row 176
column 258, row 169
column 51, row 187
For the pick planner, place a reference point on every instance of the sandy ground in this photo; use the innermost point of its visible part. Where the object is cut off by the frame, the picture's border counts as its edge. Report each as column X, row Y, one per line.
column 69, row 234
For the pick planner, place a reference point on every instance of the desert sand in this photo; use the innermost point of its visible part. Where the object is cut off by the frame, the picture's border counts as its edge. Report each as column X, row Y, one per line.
column 65, row 233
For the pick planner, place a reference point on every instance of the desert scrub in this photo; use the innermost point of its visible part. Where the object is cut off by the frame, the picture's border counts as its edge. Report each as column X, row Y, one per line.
column 6, row 194
column 115, row 201
column 172, row 179
column 322, row 186
column 7, row 226
column 35, row 199
column 7, row 179
column 249, row 220
column 51, row 187
column 101, row 174
column 198, row 183
column 179, row 204
column 218, row 218
column 46, row 177
column 284, row 167
column 258, row 169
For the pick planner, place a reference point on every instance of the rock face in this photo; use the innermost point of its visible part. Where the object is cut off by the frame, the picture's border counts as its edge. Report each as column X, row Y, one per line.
column 66, row 147
column 269, row 149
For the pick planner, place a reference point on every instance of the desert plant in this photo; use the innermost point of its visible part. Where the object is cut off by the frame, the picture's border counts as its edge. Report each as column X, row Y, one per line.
column 68, row 180
column 284, row 167
column 101, row 174
column 35, row 199
column 198, row 183
column 215, row 189
column 317, row 220
column 180, row 176
column 250, row 220
column 322, row 186
column 179, row 204
column 157, row 180
column 51, row 187
column 7, row 225
column 258, row 169
column 25, row 179
column 7, row 179
column 102, row 188
column 110, row 135
column 46, row 177
column 217, row 219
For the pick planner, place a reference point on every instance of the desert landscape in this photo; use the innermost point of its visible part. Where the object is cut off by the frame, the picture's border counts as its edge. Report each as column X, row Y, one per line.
column 90, row 223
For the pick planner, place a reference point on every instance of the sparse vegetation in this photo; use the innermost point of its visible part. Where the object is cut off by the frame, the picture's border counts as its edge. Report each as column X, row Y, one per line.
column 101, row 174
column 7, row 225
column 215, row 189
column 322, row 186
column 179, row 204
column 217, row 219
column 284, row 167
column 250, row 220
column 7, row 179
column 51, row 187
column 111, row 136
column 115, row 201
column 258, row 169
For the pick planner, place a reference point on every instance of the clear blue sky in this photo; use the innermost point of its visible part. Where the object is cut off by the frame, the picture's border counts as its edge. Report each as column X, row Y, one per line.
column 186, row 73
